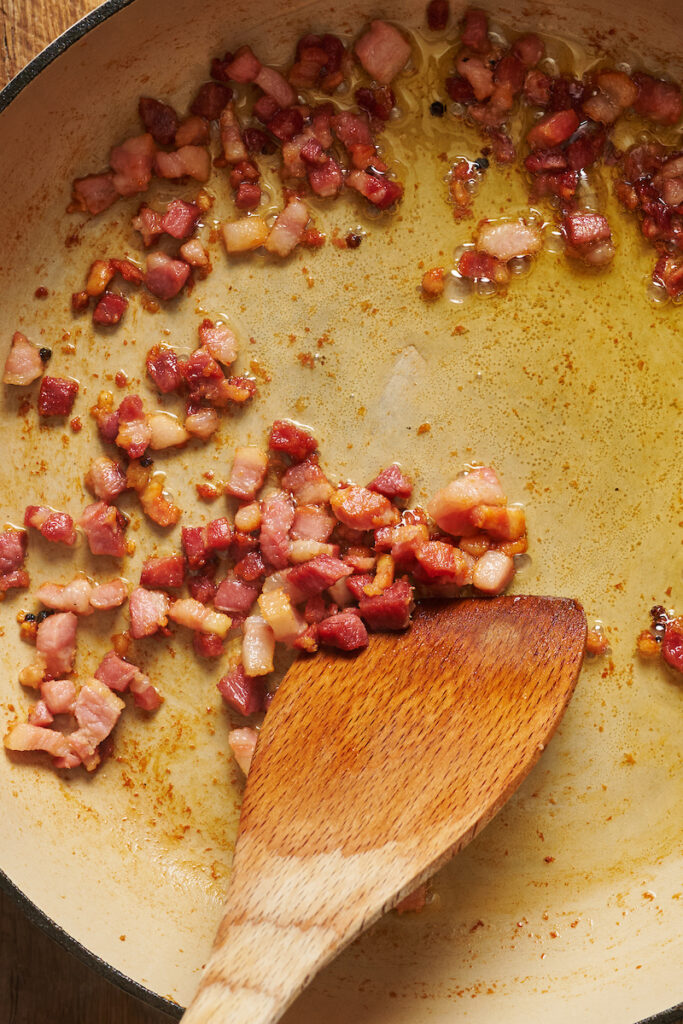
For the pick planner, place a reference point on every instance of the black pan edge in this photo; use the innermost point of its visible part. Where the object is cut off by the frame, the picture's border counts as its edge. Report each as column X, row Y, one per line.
column 674, row 1015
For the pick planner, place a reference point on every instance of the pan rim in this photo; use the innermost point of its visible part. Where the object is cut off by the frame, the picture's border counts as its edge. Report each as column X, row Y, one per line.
column 16, row 85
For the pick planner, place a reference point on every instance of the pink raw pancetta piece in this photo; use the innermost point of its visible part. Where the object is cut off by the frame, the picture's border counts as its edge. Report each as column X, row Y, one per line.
column 97, row 710
column 116, row 673
column 180, row 219
column 59, row 695
column 24, row 363
column 311, row 522
column 103, row 526
column 194, row 615
column 493, row 572
column 106, row 596
column 392, row 483
column 56, row 642
column 258, row 646
column 307, row 483
column 74, row 597
column 186, row 161
column 148, row 610
column 244, row 694
column 345, row 631
column 132, row 163
column 13, row 544
column 57, row 527
column 377, row 189
column 383, row 51
column 94, row 193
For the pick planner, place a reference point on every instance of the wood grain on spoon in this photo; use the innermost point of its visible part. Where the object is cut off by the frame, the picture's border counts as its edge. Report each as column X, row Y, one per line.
column 370, row 772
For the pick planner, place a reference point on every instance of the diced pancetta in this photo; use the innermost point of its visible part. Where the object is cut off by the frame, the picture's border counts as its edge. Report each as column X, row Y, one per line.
column 105, row 478
column 391, row 609
column 288, row 229
column 244, row 234
column 59, row 695
column 185, row 162
column 248, row 472
column 235, row 596
column 277, row 610
column 106, row 596
column 24, row 363
column 165, row 571
column 180, row 219
column 383, row 51
column 392, row 483
column 277, row 516
column 219, row 340
column 452, row 507
column 242, row 742
column 362, row 509
column 345, row 631
column 57, row 527
column 148, row 610
column 74, row 597
column 159, row 119
column 311, row 523
column 506, row 239
column 307, row 483
column 57, row 396
column 132, row 163
column 318, row 574
column 165, row 277
column 165, row 431
column 97, row 711
column 56, row 643
column 33, row 737
column 94, row 193
column 258, row 646
column 103, row 526
column 243, row 693
column 13, row 544
column 195, row 615
column 202, row 423
column 493, row 572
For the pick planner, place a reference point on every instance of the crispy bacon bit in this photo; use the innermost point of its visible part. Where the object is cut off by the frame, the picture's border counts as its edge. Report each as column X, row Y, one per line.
column 277, row 516
column 391, row 610
column 362, row 509
column 13, row 544
column 57, row 396
column 165, row 571
column 392, row 483
column 452, row 507
column 244, row 694
column 248, row 472
column 56, row 643
column 242, row 742
column 289, row 437
column 284, row 620
column 23, row 364
column 57, row 527
column 163, row 368
column 165, row 276
column 159, row 119
column 383, row 51
column 103, row 526
column 94, row 193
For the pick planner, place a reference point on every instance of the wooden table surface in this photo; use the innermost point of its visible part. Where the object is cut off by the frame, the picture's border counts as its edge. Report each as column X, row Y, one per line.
column 41, row 983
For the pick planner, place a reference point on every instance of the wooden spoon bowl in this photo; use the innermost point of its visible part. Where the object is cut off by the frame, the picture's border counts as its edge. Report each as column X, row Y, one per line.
column 370, row 772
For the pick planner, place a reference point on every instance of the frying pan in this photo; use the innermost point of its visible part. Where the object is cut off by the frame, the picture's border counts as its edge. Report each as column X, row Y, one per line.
column 568, row 906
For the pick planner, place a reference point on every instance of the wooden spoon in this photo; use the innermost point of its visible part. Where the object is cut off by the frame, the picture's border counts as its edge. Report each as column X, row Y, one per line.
column 370, row 772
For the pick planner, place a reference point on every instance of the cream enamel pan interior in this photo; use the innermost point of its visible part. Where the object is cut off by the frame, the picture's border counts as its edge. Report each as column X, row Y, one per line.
column 568, row 907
